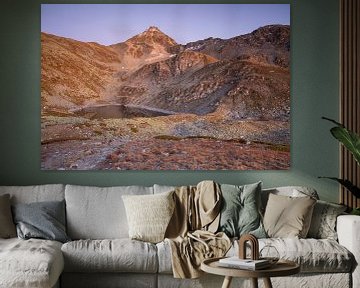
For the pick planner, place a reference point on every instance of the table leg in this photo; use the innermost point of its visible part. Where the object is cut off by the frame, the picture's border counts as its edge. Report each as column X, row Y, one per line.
column 254, row 282
column 227, row 282
column 267, row 283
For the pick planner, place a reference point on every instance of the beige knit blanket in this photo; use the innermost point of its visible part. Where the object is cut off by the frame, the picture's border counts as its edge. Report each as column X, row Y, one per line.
column 191, row 231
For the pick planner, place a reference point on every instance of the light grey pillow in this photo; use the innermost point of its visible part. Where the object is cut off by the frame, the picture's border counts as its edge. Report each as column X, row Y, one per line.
column 7, row 226
column 323, row 222
column 240, row 213
column 44, row 220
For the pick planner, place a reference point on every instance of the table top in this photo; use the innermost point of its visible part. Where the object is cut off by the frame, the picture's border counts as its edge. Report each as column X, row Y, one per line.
column 281, row 268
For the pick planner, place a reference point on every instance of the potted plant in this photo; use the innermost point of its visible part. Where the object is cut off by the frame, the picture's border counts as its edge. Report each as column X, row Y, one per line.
column 351, row 141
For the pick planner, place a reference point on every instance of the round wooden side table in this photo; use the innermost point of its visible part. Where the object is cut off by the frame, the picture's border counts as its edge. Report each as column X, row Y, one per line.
column 281, row 268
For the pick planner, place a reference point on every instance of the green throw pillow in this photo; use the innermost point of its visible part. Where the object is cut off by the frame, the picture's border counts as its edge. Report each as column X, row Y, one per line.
column 240, row 213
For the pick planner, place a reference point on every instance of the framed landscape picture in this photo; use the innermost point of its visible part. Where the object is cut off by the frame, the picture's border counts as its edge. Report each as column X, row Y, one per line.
column 165, row 86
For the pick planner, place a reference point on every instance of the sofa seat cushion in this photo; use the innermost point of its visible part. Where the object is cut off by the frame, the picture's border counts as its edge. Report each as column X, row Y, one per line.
column 115, row 255
column 313, row 255
column 30, row 263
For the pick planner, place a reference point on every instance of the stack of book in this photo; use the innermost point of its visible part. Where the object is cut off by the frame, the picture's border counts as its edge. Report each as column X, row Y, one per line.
column 248, row 264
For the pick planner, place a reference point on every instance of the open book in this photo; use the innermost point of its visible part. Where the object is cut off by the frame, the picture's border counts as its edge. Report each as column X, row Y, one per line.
column 236, row 262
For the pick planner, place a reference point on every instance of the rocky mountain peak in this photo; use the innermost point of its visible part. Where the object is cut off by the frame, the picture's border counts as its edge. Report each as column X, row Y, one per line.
column 153, row 29
column 278, row 35
column 152, row 35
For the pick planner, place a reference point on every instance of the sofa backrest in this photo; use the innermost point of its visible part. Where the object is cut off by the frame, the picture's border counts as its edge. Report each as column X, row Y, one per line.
column 36, row 193
column 98, row 212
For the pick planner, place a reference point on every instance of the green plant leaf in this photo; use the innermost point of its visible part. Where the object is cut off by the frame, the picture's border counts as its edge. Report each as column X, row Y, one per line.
column 347, row 184
column 348, row 138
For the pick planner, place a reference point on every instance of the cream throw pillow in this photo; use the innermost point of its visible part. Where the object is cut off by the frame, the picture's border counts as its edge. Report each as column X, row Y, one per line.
column 149, row 215
column 288, row 217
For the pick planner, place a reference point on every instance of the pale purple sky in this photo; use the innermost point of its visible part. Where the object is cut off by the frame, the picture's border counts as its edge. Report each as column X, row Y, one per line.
column 113, row 23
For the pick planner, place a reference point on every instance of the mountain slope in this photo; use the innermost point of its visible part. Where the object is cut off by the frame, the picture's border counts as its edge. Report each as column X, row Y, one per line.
column 73, row 72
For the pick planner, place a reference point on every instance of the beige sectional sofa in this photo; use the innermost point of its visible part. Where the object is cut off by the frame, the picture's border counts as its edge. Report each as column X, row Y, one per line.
column 102, row 255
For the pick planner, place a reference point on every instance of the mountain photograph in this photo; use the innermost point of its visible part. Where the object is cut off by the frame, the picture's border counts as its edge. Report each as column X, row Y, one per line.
column 167, row 94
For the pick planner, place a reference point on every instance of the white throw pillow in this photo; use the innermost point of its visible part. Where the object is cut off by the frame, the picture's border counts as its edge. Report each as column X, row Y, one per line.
column 149, row 215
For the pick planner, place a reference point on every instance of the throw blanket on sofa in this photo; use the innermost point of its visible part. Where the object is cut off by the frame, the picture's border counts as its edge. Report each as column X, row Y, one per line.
column 191, row 231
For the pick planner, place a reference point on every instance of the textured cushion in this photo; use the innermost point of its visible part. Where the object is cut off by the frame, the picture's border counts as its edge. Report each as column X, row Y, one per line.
column 44, row 220
column 149, row 215
column 36, row 193
column 117, row 255
column 30, row 263
column 98, row 213
column 313, row 255
column 240, row 210
column 7, row 227
column 287, row 216
column 323, row 222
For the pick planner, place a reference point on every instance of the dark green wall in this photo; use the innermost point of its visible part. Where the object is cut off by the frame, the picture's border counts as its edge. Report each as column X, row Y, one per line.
column 314, row 92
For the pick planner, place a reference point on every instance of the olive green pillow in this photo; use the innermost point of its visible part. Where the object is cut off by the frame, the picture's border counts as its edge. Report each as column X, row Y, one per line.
column 7, row 226
column 240, row 213
column 288, row 217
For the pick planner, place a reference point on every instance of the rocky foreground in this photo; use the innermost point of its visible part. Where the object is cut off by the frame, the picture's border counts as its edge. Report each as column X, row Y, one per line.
column 177, row 142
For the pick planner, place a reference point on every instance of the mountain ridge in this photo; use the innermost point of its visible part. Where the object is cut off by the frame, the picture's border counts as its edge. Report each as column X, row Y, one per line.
column 246, row 76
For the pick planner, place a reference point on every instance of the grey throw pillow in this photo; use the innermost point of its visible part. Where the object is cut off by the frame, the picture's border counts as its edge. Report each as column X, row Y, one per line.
column 240, row 213
column 7, row 226
column 44, row 220
column 323, row 222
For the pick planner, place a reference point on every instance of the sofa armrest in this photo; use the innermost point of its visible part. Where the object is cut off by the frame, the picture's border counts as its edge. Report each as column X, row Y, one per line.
column 348, row 230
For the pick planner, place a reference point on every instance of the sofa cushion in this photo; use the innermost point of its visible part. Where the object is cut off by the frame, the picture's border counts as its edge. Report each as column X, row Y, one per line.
column 287, row 216
column 149, row 215
column 36, row 193
column 323, row 222
column 98, row 213
column 240, row 210
column 30, row 263
column 43, row 220
column 117, row 255
column 7, row 226
column 313, row 255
